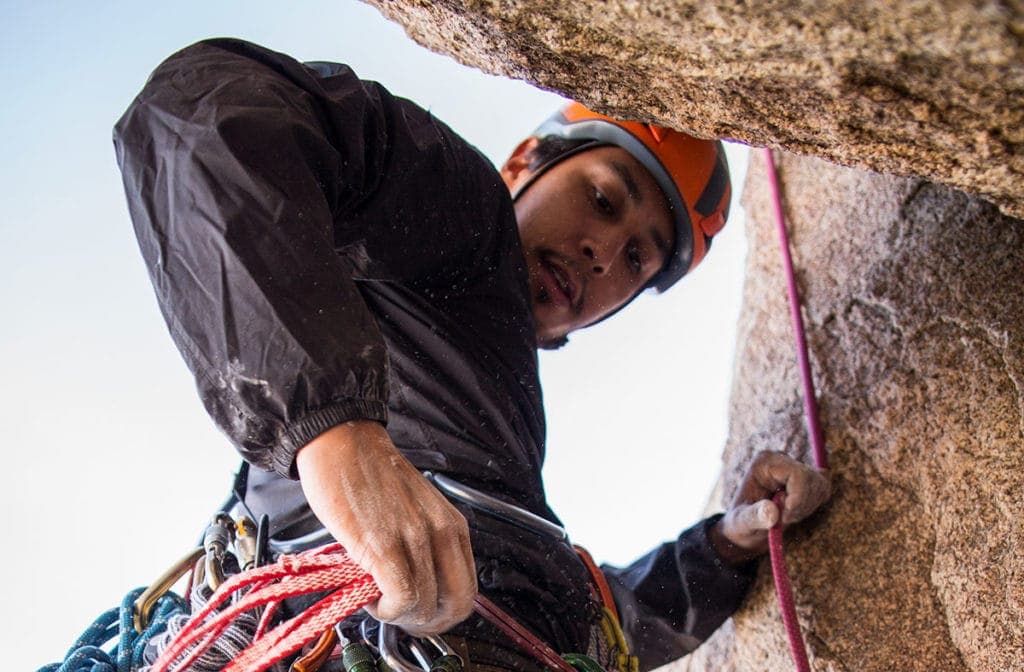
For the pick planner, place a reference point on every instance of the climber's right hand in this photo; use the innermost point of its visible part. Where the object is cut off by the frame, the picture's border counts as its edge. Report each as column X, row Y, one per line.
column 393, row 523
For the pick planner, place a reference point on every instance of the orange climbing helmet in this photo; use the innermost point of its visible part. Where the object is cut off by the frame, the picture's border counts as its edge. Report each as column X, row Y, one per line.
column 693, row 174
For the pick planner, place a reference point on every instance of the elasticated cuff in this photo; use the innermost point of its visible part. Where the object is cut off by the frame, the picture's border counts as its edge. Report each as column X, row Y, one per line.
column 700, row 543
column 301, row 432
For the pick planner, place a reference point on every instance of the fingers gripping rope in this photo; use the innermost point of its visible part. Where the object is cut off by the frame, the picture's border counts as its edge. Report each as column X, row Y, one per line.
column 782, row 586
column 319, row 570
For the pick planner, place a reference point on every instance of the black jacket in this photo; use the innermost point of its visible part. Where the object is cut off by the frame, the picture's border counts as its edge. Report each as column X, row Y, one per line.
column 323, row 251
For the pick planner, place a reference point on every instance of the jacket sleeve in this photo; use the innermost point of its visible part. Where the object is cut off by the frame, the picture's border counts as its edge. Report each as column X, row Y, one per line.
column 247, row 175
column 673, row 598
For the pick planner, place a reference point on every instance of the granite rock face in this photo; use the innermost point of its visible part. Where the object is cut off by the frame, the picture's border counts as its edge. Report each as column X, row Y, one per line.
column 914, row 307
column 914, row 291
column 931, row 88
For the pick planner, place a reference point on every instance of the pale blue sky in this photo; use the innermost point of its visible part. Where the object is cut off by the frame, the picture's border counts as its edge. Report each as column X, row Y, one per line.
column 112, row 464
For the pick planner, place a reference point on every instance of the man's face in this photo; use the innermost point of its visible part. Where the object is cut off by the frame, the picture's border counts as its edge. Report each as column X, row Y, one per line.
column 594, row 228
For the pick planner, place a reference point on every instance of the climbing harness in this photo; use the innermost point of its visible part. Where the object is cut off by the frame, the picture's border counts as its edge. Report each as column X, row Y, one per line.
column 264, row 589
column 228, row 588
column 149, row 615
column 313, row 572
column 783, row 588
column 235, row 597
column 451, row 488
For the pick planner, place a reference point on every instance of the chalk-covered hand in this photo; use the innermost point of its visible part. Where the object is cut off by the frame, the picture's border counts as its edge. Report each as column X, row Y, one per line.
column 393, row 523
column 742, row 533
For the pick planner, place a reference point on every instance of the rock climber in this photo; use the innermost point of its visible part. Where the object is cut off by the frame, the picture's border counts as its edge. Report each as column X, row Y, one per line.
column 360, row 296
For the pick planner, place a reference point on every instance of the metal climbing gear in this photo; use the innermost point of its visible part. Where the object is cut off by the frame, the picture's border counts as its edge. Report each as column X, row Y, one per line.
column 142, row 607
column 355, row 657
column 389, row 646
column 219, row 536
column 147, row 615
column 231, row 546
column 496, row 507
column 481, row 501
column 246, row 543
column 323, row 570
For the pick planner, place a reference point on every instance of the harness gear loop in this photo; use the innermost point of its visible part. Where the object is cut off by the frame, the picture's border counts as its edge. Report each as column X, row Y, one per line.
column 316, row 571
column 611, row 627
column 142, row 607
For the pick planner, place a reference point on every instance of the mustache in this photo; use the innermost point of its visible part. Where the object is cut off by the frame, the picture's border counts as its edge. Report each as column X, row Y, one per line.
column 553, row 259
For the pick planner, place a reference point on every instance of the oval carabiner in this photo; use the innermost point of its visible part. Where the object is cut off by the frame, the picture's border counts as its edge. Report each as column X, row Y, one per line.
column 582, row 663
column 143, row 606
column 387, row 644
column 218, row 537
column 246, row 546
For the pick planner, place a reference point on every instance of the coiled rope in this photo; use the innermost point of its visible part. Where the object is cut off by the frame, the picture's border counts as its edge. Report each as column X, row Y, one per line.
column 325, row 569
column 87, row 654
column 228, row 646
column 783, row 589
column 261, row 590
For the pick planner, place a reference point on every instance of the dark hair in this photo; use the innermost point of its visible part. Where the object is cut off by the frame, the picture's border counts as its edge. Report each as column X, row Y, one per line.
column 552, row 147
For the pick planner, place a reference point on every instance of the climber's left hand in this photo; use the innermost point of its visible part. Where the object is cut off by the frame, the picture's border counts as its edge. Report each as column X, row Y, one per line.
column 742, row 533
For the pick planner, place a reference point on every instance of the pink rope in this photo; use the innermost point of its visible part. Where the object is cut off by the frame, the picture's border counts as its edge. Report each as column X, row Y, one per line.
column 329, row 568
column 319, row 570
column 810, row 402
column 784, row 592
column 783, row 589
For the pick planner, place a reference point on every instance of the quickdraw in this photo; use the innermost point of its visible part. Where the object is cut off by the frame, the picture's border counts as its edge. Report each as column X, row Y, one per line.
column 145, row 614
column 233, row 610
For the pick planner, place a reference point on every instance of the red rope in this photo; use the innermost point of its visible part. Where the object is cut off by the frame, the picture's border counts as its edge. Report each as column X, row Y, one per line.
column 783, row 589
column 329, row 568
column 323, row 569
column 520, row 635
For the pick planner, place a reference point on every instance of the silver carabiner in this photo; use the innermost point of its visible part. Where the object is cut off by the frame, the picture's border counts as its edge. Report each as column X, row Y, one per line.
column 498, row 508
column 387, row 645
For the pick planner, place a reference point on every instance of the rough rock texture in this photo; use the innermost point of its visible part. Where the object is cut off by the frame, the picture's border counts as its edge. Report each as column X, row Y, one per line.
column 933, row 88
column 914, row 298
column 914, row 291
